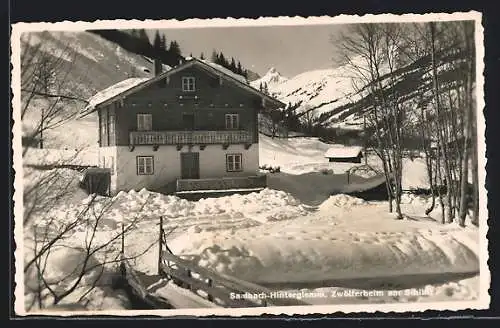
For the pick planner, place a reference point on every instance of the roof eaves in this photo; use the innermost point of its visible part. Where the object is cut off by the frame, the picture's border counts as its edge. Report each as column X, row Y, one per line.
column 243, row 85
column 173, row 71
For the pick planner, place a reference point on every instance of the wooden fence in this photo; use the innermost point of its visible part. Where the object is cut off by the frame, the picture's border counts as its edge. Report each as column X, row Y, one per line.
column 221, row 289
column 138, row 289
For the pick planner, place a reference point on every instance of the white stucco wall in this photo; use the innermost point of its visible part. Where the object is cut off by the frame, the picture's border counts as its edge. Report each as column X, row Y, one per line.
column 213, row 161
column 167, row 164
column 166, row 167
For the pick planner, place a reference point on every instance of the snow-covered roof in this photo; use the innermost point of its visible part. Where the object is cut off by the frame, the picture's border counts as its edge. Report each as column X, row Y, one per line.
column 113, row 91
column 224, row 70
column 134, row 84
column 341, row 151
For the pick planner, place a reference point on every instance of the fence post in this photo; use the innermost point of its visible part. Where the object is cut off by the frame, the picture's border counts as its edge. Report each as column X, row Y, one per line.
column 123, row 240
column 160, row 243
column 210, row 284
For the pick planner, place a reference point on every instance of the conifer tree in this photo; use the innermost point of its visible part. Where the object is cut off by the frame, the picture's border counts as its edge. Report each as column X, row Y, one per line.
column 157, row 43
column 202, row 56
column 163, row 43
column 215, row 57
column 232, row 65
column 222, row 60
column 174, row 48
column 143, row 35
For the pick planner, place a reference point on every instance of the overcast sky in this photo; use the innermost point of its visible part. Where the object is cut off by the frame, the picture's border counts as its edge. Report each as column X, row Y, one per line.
column 290, row 49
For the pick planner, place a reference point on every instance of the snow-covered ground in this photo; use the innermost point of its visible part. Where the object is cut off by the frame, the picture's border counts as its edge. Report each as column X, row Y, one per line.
column 272, row 239
column 57, row 156
column 349, row 249
column 299, row 156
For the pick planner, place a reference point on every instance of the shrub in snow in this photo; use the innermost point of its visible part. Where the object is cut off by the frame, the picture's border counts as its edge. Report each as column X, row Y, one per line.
column 275, row 169
column 326, row 171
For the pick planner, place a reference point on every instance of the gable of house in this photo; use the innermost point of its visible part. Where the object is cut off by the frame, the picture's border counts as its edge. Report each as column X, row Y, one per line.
column 196, row 97
column 124, row 89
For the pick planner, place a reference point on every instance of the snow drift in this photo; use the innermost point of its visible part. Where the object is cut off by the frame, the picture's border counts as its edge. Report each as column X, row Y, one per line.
column 333, row 245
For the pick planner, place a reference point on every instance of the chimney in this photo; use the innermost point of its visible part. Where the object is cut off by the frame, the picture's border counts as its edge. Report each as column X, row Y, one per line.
column 158, row 66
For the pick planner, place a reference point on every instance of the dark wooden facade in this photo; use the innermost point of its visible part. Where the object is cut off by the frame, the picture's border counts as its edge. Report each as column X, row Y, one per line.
column 173, row 109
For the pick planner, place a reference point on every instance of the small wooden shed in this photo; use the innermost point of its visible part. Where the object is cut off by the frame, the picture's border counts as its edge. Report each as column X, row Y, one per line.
column 344, row 154
column 96, row 180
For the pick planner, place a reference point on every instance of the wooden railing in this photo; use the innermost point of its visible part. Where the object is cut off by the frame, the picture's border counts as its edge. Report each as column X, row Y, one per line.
column 138, row 287
column 218, row 288
column 226, row 183
column 189, row 137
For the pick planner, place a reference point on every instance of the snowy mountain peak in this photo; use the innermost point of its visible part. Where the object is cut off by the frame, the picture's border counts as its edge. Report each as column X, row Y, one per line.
column 272, row 70
column 271, row 78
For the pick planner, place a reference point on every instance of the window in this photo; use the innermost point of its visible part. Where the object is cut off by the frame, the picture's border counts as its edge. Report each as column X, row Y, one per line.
column 188, row 83
column 233, row 163
column 145, row 165
column 144, row 122
column 232, row 121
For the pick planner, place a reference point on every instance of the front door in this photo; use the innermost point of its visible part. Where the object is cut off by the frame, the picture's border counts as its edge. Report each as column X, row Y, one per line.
column 190, row 165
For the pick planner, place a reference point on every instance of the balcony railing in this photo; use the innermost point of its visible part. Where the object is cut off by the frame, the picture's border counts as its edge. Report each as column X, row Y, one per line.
column 189, row 137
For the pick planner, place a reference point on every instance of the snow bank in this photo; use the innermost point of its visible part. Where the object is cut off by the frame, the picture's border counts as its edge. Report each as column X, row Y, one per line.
column 346, row 239
column 143, row 209
column 341, row 200
column 286, row 259
column 266, row 205
column 62, row 267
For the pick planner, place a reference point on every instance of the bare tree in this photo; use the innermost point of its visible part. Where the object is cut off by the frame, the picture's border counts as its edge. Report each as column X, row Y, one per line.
column 51, row 236
column 372, row 53
column 440, row 105
column 47, row 96
column 452, row 62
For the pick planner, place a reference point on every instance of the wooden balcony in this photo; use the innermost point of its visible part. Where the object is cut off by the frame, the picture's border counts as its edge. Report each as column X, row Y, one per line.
column 190, row 137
